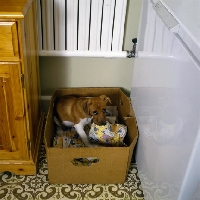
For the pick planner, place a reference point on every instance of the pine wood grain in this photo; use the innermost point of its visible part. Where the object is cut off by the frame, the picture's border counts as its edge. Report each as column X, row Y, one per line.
column 9, row 41
column 10, row 9
column 21, row 117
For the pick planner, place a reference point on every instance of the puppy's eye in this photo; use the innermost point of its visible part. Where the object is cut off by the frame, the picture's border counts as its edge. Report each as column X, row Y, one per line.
column 95, row 112
column 104, row 110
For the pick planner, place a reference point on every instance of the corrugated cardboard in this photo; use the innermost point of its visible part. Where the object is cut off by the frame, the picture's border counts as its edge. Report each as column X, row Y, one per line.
column 113, row 162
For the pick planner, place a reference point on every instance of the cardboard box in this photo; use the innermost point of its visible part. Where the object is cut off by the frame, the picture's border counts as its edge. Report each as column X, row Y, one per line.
column 114, row 162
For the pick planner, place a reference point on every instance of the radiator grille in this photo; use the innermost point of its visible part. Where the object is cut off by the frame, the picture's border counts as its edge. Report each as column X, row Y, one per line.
column 81, row 26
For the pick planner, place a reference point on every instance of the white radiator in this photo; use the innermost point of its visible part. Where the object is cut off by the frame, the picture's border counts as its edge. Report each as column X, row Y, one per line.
column 88, row 28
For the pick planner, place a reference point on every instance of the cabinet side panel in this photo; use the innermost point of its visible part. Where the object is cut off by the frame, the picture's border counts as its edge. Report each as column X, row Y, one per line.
column 31, row 76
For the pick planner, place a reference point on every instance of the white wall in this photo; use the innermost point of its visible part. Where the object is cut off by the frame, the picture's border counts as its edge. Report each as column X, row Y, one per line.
column 57, row 72
column 188, row 15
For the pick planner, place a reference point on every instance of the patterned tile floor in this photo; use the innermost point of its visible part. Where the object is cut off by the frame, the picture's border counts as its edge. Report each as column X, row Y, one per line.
column 15, row 187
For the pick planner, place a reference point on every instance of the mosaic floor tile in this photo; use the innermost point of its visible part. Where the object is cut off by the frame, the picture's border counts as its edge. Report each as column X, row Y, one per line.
column 129, row 190
column 13, row 187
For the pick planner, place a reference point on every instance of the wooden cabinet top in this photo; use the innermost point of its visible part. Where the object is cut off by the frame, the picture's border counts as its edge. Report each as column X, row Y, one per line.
column 10, row 9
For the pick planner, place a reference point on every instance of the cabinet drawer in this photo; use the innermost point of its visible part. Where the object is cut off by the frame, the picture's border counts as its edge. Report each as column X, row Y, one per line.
column 8, row 41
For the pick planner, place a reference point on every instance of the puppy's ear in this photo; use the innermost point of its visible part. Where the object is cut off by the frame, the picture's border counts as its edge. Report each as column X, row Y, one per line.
column 86, row 106
column 105, row 98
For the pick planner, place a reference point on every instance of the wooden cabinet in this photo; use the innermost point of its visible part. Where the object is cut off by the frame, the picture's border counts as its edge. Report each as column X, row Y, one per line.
column 21, row 117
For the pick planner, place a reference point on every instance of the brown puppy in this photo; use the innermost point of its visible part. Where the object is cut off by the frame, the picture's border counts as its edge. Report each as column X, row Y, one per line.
column 78, row 112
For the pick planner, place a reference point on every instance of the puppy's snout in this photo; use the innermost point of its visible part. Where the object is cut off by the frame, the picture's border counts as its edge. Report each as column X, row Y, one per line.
column 102, row 123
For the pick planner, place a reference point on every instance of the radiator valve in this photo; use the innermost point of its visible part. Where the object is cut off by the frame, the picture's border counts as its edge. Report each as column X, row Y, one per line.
column 132, row 53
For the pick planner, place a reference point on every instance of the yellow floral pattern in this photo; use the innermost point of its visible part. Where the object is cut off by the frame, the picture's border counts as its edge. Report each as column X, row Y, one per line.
column 108, row 135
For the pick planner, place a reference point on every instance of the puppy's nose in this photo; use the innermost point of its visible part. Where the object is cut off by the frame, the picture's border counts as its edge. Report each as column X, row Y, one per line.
column 102, row 123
